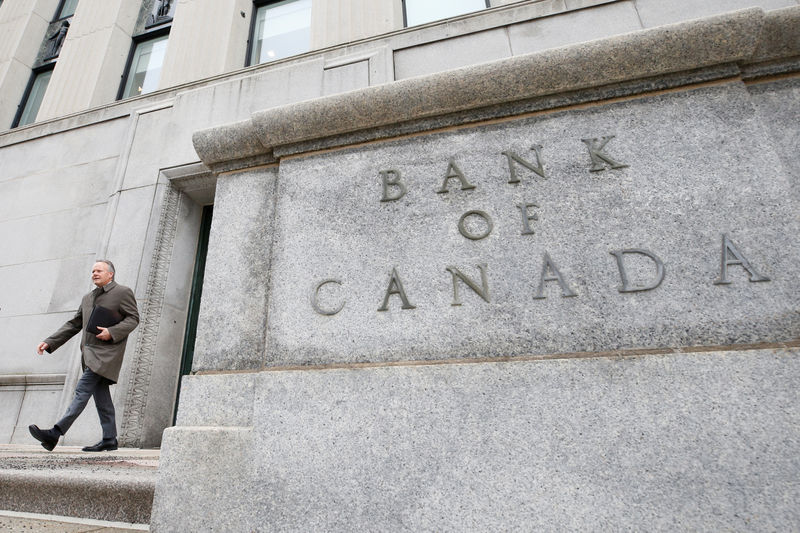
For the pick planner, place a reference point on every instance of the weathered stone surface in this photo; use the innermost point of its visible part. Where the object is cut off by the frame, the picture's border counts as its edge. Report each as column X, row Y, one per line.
column 230, row 331
column 697, row 165
column 690, row 441
column 656, row 12
column 780, row 37
column 689, row 45
column 778, row 104
column 116, row 486
column 215, row 466
column 224, row 400
column 448, row 54
column 596, row 23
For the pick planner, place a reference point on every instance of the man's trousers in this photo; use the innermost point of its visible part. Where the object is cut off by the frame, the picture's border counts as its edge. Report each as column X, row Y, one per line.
column 89, row 385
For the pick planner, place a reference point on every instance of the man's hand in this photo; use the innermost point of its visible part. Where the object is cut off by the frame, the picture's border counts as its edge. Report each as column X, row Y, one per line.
column 42, row 347
column 104, row 335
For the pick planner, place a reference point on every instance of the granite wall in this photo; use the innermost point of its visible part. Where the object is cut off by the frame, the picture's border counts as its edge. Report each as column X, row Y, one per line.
column 550, row 292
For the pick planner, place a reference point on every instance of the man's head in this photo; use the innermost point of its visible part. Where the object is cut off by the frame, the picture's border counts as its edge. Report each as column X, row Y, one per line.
column 102, row 272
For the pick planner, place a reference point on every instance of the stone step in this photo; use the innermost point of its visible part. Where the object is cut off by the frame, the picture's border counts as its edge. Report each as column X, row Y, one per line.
column 114, row 486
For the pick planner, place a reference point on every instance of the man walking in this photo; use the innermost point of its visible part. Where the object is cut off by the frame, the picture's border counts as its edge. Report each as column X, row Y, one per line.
column 101, row 355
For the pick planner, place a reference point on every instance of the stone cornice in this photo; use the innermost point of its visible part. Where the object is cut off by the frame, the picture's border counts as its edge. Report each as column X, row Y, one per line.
column 738, row 38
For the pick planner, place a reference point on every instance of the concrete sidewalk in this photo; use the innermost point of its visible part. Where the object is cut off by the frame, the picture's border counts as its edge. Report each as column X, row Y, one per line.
column 31, row 522
column 44, row 488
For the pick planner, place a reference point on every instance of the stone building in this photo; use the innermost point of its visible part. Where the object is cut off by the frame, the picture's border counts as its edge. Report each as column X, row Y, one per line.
column 471, row 264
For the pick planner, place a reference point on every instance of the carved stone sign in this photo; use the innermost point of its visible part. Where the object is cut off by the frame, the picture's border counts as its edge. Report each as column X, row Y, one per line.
column 594, row 230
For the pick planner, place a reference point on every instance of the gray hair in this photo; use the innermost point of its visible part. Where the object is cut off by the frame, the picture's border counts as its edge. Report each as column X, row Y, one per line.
column 109, row 263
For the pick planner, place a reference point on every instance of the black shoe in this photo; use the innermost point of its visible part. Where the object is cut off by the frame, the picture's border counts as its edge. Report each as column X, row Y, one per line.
column 48, row 437
column 102, row 446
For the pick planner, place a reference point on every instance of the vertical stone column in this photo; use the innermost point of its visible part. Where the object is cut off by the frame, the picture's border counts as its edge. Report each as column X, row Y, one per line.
column 84, row 77
column 233, row 314
column 340, row 21
column 208, row 37
column 23, row 25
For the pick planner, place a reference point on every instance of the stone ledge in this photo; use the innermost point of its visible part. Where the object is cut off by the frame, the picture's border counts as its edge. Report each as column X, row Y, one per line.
column 115, row 486
column 31, row 379
column 742, row 37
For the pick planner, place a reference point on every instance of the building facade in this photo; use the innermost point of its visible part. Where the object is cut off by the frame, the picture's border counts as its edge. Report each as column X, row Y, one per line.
column 417, row 265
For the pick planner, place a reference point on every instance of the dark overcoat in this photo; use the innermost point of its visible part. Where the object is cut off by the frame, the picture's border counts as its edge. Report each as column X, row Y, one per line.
column 102, row 357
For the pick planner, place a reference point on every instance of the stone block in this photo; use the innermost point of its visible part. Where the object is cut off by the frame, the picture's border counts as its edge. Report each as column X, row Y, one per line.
column 222, row 400
column 10, row 403
column 583, row 25
column 346, row 77
column 778, row 104
column 196, row 462
column 130, row 226
column 55, row 235
column 689, row 441
column 152, row 148
column 451, row 53
column 680, row 171
column 57, row 189
column 236, row 99
column 780, row 38
column 116, row 486
column 56, row 290
column 21, row 335
column 656, row 12
column 54, row 153
column 22, row 298
column 230, row 332
column 72, row 281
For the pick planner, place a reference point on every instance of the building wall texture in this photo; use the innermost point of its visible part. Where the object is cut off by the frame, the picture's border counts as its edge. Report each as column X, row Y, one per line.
column 526, row 268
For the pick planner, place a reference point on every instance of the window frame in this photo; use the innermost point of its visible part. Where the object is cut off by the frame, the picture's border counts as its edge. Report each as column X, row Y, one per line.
column 57, row 16
column 35, row 73
column 405, row 16
column 257, row 4
column 137, row 40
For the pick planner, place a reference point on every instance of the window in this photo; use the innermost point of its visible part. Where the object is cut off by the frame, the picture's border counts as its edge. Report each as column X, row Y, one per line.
column 422, row 11
column 280, row 29
column 32, row 100
column 144, row 67
column 67, row 9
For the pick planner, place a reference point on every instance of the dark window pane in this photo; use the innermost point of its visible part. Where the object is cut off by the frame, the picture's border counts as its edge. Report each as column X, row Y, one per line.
column 34, row 100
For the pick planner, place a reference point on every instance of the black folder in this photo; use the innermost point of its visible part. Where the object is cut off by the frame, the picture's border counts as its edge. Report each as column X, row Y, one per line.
column 103, row 317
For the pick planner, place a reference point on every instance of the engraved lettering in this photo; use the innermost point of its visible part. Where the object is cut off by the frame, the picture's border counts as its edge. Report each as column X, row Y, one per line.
column 393, row 186
column 626, row 284
column 482, row 291
column 550, row 272
column 395, row 287
column 462, row 227
column 512, row 158
column 454, row 172
column 599, row 158
column 527, row 217
column 315, row 298
column 729, row 248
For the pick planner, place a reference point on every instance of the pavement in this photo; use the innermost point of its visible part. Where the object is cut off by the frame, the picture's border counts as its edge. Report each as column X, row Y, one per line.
column 32, row 523
column 68, row 490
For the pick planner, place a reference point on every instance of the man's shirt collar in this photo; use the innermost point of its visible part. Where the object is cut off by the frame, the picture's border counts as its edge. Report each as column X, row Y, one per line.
column 108, row 286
